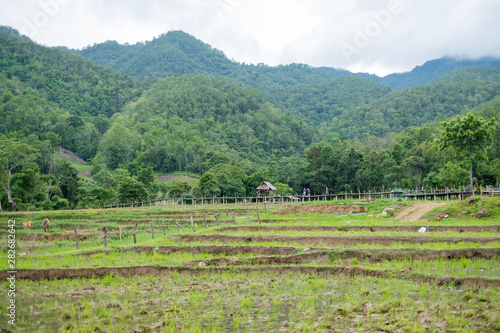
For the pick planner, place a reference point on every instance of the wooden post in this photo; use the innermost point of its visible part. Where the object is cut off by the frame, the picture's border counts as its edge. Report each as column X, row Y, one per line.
column 163, row 224
column 76, row 238
column 258, row 218
column 120, row 228
column 227, row 212
column 234, row 217
column 192, row 223
column 178, row 226
column 205, row 220
column 105, row 236
column 152, row 230
column 248, row 216
column 135, row 231
column 217, row 218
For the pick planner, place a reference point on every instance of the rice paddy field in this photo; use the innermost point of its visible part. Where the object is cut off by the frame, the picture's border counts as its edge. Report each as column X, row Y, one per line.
column 302, row 267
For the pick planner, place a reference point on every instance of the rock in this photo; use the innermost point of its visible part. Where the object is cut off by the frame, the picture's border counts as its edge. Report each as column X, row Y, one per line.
column 481, row 213
column 307, row 249
column 441, row 216
column 389, row 211
column 471, row 200
column 370, row 216
column 423, row 229
column 201, row 264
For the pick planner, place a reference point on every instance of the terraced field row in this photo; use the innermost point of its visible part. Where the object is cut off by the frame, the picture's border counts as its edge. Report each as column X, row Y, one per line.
column 291, row 272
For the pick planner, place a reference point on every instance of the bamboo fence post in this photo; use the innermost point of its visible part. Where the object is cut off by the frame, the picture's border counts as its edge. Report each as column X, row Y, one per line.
column 234, row 217
column 227, row 212
column 178, row 226
column 163, row 224
column 135, row 232
column 120, row 228
column 258, row 218
column 152, row 230
column 105, row 236
column 205, row 220
column 217, row 218
column 248, row 217
column 192, row 223
column 76, row 238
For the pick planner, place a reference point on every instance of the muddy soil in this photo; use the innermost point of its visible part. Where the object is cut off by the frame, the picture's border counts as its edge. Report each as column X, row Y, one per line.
column 334, row 240
column 364, row 255
column 404, row 228
column 218, row 249
column 48, row 237
column 51, row 274
column 290, row 254
column 334, row 209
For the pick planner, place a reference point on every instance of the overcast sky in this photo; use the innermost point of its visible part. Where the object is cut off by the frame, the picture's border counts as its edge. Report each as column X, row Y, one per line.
column 372, row 36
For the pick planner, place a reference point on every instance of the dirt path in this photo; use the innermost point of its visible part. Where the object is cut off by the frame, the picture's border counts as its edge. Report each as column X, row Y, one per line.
column 414, row 212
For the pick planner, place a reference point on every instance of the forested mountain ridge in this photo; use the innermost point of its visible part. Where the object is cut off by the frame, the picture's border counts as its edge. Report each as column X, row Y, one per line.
column 337, row 102
column 183, row 120
column 294, row 125
column 178, row 53
column 432, row 70
column 67, row 80
column 461, row 89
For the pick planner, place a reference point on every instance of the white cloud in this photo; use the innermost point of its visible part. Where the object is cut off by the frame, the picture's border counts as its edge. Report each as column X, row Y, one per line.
column 276, row 31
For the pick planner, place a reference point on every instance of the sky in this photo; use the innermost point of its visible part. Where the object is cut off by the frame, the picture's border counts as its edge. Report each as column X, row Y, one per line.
column 374, row 36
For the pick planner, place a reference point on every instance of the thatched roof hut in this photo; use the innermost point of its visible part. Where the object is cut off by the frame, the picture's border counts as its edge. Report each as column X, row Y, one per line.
column 265, row 188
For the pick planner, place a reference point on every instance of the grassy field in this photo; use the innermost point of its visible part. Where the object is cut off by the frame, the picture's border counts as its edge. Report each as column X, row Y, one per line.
column 292, row 267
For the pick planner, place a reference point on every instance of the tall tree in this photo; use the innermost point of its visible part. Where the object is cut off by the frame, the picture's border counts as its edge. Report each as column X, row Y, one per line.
column 469, row 135
column 13, row 154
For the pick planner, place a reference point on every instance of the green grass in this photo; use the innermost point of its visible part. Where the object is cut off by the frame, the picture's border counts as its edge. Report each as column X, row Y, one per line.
column 254, row 302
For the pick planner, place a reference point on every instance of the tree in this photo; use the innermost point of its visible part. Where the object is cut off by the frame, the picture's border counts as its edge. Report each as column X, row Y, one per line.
column 130, row 189
column 452, row 175
column 208, row 184
column 178, row 188
column 13, row 154
column 146, row 176
column 469, row 135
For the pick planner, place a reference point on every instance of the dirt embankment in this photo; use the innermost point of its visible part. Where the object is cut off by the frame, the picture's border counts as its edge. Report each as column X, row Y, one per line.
column 334, row 209
column 217, row 249
column 333, row 240
column 323, row 256
column 50, row 274
column 378, row 228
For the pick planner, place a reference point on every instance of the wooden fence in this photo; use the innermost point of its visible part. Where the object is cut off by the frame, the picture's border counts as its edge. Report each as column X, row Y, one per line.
column 445, row 194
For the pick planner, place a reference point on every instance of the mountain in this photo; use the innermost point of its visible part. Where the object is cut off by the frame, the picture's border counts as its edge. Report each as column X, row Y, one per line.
column 459, row 90
column 432, row 70
column 67, row 80
column 180, row 122
column 177, row 53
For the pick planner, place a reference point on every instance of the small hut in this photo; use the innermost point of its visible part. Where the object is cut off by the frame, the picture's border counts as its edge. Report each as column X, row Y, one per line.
column 265, row 189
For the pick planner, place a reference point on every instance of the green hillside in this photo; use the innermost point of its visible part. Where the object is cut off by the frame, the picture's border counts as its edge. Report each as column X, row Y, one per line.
column 179, row 121
column 67, row 80
column 294, row 125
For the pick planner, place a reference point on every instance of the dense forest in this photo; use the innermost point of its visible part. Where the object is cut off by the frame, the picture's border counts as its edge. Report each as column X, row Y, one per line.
column 175, row 104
